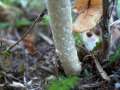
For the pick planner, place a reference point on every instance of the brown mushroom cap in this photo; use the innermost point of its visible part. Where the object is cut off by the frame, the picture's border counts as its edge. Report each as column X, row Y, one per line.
column 80, row 5
column 87, row 20
column 89, row 17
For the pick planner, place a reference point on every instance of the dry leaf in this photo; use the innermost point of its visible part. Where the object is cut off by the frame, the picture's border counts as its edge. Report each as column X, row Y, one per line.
column 29, row 41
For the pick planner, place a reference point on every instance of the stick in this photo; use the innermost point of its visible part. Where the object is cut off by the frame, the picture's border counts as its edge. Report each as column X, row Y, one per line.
column 47, row 39
column 39, row 18
column 100, row 69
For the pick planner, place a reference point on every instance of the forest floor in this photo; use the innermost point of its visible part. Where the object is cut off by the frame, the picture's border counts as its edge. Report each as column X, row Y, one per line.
column 36, row 69
column 33, row 63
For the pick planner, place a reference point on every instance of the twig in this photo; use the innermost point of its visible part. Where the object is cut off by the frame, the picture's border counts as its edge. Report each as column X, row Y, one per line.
column 47, row 39
column 105, row 31
column 10, row 42
column 86, row 57
column 39, row 18
column 100, row 69
column 46, row 69
column 13, row 85
column 92, row 85
column 115, row 22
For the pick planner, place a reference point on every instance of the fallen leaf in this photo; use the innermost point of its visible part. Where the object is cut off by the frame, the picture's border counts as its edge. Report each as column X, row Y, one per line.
column 29, row 41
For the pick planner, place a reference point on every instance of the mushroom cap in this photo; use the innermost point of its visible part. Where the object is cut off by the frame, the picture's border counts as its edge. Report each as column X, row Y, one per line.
column 89, row 15
column 80, row 5
column 87, row 20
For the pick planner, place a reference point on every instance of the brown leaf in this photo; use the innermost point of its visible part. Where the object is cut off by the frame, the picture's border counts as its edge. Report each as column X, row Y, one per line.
column 29, row 41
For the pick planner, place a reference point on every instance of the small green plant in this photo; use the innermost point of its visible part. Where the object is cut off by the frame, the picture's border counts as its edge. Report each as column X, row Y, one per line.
column 78, row 39
column 63, row 83
column 12, row 2
column 4, row 25
column 23, row 22
column 6, row 53
column 115, row 56
column 45, row 20
column 98, row 46
column 9, row 2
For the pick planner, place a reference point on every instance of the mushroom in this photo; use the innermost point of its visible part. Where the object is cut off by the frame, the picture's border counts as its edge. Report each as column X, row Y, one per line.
column 90, row 12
